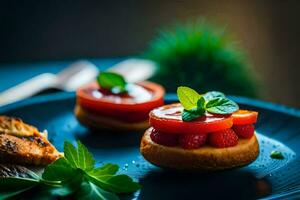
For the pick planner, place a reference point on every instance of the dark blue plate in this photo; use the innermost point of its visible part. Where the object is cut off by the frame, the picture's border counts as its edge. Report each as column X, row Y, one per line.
column 278, row 128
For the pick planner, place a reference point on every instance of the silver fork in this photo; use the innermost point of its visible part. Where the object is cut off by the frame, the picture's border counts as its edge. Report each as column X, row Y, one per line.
column 74, row 76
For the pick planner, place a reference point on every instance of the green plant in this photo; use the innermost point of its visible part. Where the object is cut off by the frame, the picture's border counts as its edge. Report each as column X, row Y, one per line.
column 73, row 175
column 202, row 57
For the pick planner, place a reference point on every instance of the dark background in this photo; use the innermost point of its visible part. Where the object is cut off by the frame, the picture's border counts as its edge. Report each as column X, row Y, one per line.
column 32, row 31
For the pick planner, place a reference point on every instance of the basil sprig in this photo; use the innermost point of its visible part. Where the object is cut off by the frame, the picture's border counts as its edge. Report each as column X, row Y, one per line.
column 196, row 105
column 113, row 82
column 73, row 175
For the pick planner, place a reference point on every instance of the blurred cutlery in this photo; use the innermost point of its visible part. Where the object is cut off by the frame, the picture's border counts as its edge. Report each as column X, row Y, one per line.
column 74, row 76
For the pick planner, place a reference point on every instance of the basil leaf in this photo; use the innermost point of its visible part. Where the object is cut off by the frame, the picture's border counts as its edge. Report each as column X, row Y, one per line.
column 46, row 193
column 8, row 194
column 12, row 186
column 89, row 190
column 221, row 106
column 16, row 179
column 115, row 183
column 276, row 155
column 60, row 170
column 107, row 169
column 112, row 81
column 201, row 103
column 79, row 158
column 62, row 191
column 188, row 97
column 213, row 94
column 17, row 182
column 68, row 187
column 189, row 115
column 86, row 159
column 71, row 155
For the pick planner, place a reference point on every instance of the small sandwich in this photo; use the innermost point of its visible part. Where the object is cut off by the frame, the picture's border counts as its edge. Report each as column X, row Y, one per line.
column 23, row 144
column 201, row 133
column 112, row 103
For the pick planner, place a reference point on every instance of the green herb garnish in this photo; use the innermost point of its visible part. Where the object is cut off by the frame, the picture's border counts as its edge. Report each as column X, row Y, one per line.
column 276, row 155
column 195, row 105
column 75, row 175
column 112, row 81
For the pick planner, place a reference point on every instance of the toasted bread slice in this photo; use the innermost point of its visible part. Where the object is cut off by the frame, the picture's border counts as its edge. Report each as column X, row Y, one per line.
column 21, row 143
column 206, row 158
column 98, row 122
column 16, row 127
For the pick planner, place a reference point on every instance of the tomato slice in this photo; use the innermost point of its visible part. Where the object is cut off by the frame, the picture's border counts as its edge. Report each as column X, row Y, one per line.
column 129, row 108
column 244, row 117
column 167, row 119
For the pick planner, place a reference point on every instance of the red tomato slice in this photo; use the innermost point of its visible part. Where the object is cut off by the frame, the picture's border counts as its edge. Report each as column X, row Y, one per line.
column 124, row 107
column 167, row 119
column 244, row 117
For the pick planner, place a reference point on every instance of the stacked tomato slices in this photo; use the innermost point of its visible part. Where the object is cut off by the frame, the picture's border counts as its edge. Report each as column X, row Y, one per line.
column 124, row 107
column 214, row 130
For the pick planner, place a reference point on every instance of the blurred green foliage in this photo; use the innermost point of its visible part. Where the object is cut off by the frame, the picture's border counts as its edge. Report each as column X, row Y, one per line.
column 202, row 57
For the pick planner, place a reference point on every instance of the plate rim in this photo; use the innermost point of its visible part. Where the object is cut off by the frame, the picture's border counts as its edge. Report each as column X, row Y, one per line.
column 169, row 96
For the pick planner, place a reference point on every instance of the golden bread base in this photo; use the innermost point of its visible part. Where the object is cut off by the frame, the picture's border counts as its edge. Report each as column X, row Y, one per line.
column 206, row 158
column 98, row 122
column 26, row 150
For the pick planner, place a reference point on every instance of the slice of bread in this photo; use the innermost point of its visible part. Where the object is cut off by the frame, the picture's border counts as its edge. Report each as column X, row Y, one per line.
column 21, row 143
column 206, row 158
column 99, row 122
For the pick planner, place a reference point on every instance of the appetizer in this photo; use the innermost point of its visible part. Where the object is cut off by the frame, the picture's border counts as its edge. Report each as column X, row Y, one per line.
column 21, row 143
column 112, row 103
column 202, row 132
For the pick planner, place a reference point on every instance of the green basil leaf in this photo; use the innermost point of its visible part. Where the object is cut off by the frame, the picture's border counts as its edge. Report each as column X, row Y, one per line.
column 115, row 183
column 71, row 155
column 9, row 194
column 12, row 186
column 276, row 155
column 189, row 115
column 60, row 170
column 61, row 191
column 213, row 94
column 107, row 169
column 112, row 81
column 188, row 97
column 45, row 193
column 89, row 190
column 221, row 106
column 10, row 183
column 86, row 159
column 16, row 179
column 79, row 158
column 68, row 187
column 201, row 103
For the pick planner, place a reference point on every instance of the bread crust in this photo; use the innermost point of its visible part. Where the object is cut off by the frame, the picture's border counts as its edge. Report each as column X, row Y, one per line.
column 206, row 158
column 98, row 122
column 21, row 143
column 16, row 127
column 27, row 150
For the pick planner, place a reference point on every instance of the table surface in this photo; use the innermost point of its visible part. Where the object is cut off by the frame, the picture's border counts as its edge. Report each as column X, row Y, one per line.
column 12, row 74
